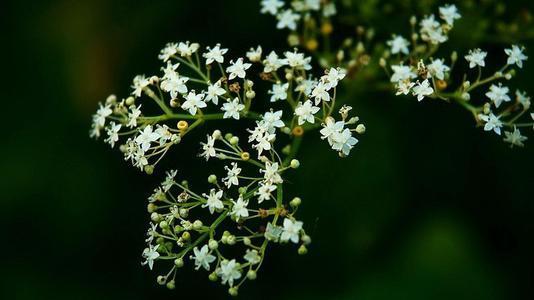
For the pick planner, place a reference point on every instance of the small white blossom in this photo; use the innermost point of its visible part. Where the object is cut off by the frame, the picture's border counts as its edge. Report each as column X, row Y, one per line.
column 239, row 208
column 254, row 55
column 273, row 120
column 237, row 69
column 422, row 89
column 232, row 175
column 208, row 148
column 113, row 133
column 298, row 60
column 186, row 49
column 438, row 69
column 498, row 94
column 399, row 44
column 174, row 84
column 404, row 87
column 264, row 191
column 214, row 92
column 271, row 6
column 215, row 54
column 101, row 114
column 287, row 19
column 146, row 137
column 213, row 202
column 193, row 102
column 523, row 99
column 333, row 77
column 476, row 58
column 139, row 83
column 492, row 123
column 279, row 92
column 271, row 174
column 272, row 62
column 306, row 86
column 515, row 138
column 150, row 254
column 305, row 112
column 402, row 73
column 169, row 50
column 516, row 56
column 343, row 141
column 133, row 115
column 169, row 180
column 449, row 13
column 229, row 271
column 202, row 258
column 252, row 256
column 232, row 109
column 331, row 127
column 431, row 31
column 291, row 231
column 320, row 93
column 329, row 9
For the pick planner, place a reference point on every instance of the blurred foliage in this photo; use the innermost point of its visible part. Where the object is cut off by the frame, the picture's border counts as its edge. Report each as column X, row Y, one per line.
column 428, row 207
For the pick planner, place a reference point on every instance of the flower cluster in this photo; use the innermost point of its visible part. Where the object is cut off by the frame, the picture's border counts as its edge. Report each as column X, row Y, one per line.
column 418, row 72
column 187, row 227
column 202, row 86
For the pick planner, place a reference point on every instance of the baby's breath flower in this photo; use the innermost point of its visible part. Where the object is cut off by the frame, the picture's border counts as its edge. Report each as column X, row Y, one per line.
column 305, row 112
column 150, row 254
column 438, row 69
column 291, row 231
column 476, row 58
column 232, row 109
column 254, row 55
column 399, row 44
column 215, row 54
column 113, row 133
column 213, row 201
column 287, row 19
column 203, row 258
column 402, row 73
column 208, row 148
column 187, row 49
column 515, row 138
column 523, row 99
column 146, row 137
column 272, row 62
column 516, row 56
column 139, row 83
column 449, row 13
column 237, row 69
column 239, row 208
column 498, row 94
column 492, row 123
column 271, row 6
column 229, row 271
column 167, row 52
column 252, row 256
column 214, row 92
column 422, row 89
column 193, row 102
column 231, row 178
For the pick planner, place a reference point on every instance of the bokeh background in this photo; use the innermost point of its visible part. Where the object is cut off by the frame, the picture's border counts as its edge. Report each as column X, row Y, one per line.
column 426, row 207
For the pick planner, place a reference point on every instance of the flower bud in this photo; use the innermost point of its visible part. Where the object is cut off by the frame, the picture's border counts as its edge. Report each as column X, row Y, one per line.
column 306, row 239
column 213, row 276
column 212, row 179
column 184, row 212
column 233, row 291
column 294, row 163
column 216, row 134
column 171, row 285
column 247, row 241
column 245, row 156
column 382, row 62
column 234, row 140
column 186, row 236
column 197, row 225
column 151, row 207
column 179, row 262
column 302, row 250
column 250, row 94
column 111, row 99
column 228, row 136
column 231, row 240
column 360, row 129
column 130, row 101
column 213, row 244
column 163, row 224
column 161, row 279
column 155, row 217
column 149, row 169
column 251, row 275
column 295, row 202
column 182, row 125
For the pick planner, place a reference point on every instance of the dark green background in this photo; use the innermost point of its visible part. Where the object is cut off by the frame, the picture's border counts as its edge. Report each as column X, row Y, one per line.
column 426, row 207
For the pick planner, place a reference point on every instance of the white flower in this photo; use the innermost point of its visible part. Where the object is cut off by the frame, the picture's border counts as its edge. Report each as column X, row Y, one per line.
column 422, row 89
column 404, row 87
column 271, row 6
column 291, row 231
column 331, row 127
column 113, row 133
column 272, row 62
column 252, row 256
column 306, row 86
column 431, row 31
column 273, row 232
column 523, row 99
column 150, row 254
column 193, row 102
column 320, row 93
column 237, row 69
column 209, row 149
column 264, row 191
column 279, row 92
column 186, row 49
column 271, row 174
column 174, row 84
column 239, row 209
column 305, row 112
column 333, row 77
column 449, row 13
column 214, row 54
column 146, row 137
column 139, row 83
column 231, row 178
column 102, row 113
column 516, row 56
column 298, row 60
column 492, row 123
column 402, row 73
column 329, row 9
column 287, row 19
column 254, row 55
column 203, row 258
column 343, row 141
column 272, row 120
column 232, row 108
column 399, row 44
column 498, row 94
column 169, row 50
column 214, row 92
column 438, row 69
column 515, row 138
column 164, row 133
column 169, row 180
column 229, row 271
column 213, row 201
column 135, row 112
column 476, row 58
column 264, row 142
